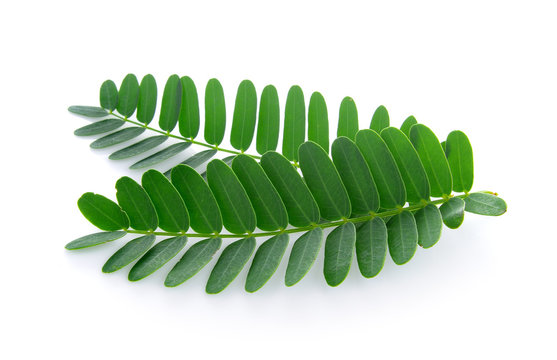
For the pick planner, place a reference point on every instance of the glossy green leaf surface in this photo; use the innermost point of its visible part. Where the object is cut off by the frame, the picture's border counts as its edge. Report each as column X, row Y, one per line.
column 156, row 257
column 215, row 112
column 133, row 199
column 402, row 237
column 371, row 247
column 407, row 124
column 117, row 137
column 485, row 204
column 243, row 118
column 88, row 111
column 303, row 255
column 268, row 125
column 430, row 224
column 348, row 119
column 459, row 155
column 188, row 122
column 147, row 103
column 128, row 253
column 453, row 212
column 318, row 121
column 196, row 160
column 138, row 148
column 94, row 239
column 195, row 259
column 266, row 261
column 231, row 262
column 109, row 95
column 380, row 119
column 171, row 103
column 102, row 212
column 161, row 156
column 294, row 123
column 128, row 96
column 339, row 251
column 99, row 127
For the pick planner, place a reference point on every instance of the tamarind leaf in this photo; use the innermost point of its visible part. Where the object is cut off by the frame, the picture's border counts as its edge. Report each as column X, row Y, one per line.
column 133, row 199
column 268, row 125
column 156, row 257
column 266, row 261
column 303, row 255
column 188, row 122
column 318, row 121
column 348, row 119
column 294, row 123
column 232, row 260
column 88, row 111
column 380, row 119
column 171, row 103
column 128, row 96
column 430, row 224
column 195, row 259
column 452, row 212
column 215, row 112
column 108, row 95
column 459, row 155
column 243, row 118
column 117, row 137
column 102, row 212
column 94, row 239
column 147, row 102
column 407, row 124
column 161, row 156
column 371, row 247
column 485, row 204
column 196, row 160
column 402, row 237
column 99, row 127
column 138, row 148
column 339, row 251
column 128, row 253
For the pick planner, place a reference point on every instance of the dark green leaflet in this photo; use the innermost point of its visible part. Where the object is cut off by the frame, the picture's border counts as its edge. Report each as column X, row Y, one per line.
column 303, row 255
column 294, row 123
column 433, row 158
column 430, row 224
column 371, row 247
column 161, row 156
column 193, row 261
column 170, row 207
column 409, row 164
column 266, row 261
column 94, row 239
column 459, row 155
column 227, row 160
column 128, row 253
column 339, row 250
column 380, row 119
column 196, row 160
column 188, row 123
column 268, row 125
column 348, row 119
column 300, row 204
column 269, row 209
column 171, row 103
column 402, row 237
column 156, row 257
column 243, row 119
column 147, row 103
column 355, row 175
column 138, row 148
column 109, row 95
column 407, row 124
column 232, row 260
column 102, row 212
column 453, row 212
column 237, row 212
column 133, row 199
column 383, row 169
column 199, row 200
column 215, row 112
column 128, row 96
column 485, row 204
column 99, row 127
column 89, row 111
column 324, row 182
column 117, row 137
column 318, row 121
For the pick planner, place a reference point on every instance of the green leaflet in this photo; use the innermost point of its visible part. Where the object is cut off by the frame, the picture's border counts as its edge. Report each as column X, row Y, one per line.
column 89, row 111
column 459, row 155
column 300, row 205
column 188, row 122
column 485, row 204
column 339, row 250
column 102, row 212
column 227, row 160
column 199, row 200
column 171, row 103
column 196, row 160
column 117, row 137
column 193, row 261
column 303, row 255
column 268, row 125
column 99, row 127
column 232, row 260
column 380, row 119
column 133, row 199
column 402, row 237
column 156, row 257
column 269, row 209
column 430, row 224
column 355, row 176
column 433, row 159
column 383, row 169
column 94, row 239
column 407, row 124
column 128, row 253
column 348, row 119
column 128, row 96
column 215, row 112
column 161, row 156
column 294, row 123
column 408, row 163
column 266, row 261
column 324, row 182
column 170, row 207
column 109, row 95
column 138, row 148
column 318, row 121
column 453, row 212
column 243, row 119
column 371, row 247
column 147, row 103
column 237, row 212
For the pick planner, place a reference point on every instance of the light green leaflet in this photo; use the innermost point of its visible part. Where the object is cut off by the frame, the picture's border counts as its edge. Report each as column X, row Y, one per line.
column 383, row 169
column 128, row 96
column 269, row 209
column 402, row 237
column 196, row 160
column 294, row 123
column 266, row 261
column 407, row 124
column 171, row 103
column 138, row 148
column 243, row 119
column 109, row 95
column 147, row 103
column 232, row 260
column 459, row 155
column 430, row 224
column 161, row 156
column 355, row 176
column 371, row 247
column 102, row 212
column 303, row 255
column 94, row 239
column 156, row 257
column 453, row 212
column 99, row 127
column 380, row 119
column 485, row 204
column 89, row 111
column 318, row 121
column 189, row 114
column 339, row 250
column 128, row 253
column 237, row 212
column 117, row 137
column 268, row 125
column 193, row 261
column 215, row 112
column 199, row 200
column 324, row 182
column 170, row 207
column 300, row 205
column 133, row 199
column 348, row 119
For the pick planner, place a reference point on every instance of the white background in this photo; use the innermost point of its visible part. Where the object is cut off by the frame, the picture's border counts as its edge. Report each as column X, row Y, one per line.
column 485, row 291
